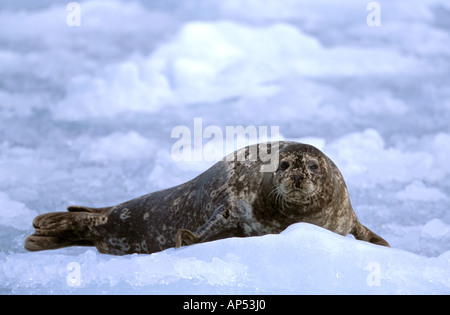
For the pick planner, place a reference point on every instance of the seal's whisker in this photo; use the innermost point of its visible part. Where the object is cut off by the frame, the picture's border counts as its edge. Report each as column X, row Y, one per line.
column 310, row 197
column 286, row 202
column 279, row 196
column 283, row 199
column 274, row 190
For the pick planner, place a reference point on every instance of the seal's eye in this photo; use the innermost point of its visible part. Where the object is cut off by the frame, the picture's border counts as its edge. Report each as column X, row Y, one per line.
column 284, row 165
column 313, row 166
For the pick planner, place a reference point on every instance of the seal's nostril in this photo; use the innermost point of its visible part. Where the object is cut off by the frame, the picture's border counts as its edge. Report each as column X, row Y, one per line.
column 297, row 179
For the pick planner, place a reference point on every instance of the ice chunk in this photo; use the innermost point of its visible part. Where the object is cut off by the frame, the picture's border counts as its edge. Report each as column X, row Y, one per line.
column 364, row 160
column 418, row 191
column 116, row 146
column 127, row 86
column 380, row 102
column 14, row 213
column 435, row 229
column 302, row 259
column 215, row 61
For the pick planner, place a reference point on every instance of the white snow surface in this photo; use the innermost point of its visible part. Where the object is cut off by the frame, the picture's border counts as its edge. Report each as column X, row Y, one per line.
column 87, row 112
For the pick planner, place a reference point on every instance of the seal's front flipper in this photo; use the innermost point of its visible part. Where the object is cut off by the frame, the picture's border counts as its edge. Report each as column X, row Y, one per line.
column 186, row 237
column 218, row 226
column 364, row 234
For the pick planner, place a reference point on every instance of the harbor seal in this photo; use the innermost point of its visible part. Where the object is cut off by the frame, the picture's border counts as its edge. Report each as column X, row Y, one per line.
column 233, row 198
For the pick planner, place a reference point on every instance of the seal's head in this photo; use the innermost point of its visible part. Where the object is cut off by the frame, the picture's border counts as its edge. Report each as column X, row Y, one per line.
column 302, row 173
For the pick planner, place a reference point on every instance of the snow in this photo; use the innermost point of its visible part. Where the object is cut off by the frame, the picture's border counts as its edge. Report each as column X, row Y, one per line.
column 87, row 114
column 303, row 259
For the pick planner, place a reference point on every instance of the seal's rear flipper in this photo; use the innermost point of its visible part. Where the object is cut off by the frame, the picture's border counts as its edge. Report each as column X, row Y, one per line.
column 35, row 243
column 61, row 229
column 87, row 209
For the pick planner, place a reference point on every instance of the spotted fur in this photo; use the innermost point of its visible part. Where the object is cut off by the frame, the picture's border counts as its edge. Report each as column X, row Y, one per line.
column 232, row 198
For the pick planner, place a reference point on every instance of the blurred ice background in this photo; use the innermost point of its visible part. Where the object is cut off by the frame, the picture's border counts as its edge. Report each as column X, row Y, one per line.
column 86, row 115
